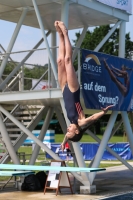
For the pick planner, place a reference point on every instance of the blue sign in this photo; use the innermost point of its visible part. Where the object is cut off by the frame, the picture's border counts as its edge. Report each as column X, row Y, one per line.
column 89, row 151
column 107, row 80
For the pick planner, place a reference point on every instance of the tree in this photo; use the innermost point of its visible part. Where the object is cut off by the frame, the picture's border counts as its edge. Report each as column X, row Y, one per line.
column 92, row 39
column 35, row 72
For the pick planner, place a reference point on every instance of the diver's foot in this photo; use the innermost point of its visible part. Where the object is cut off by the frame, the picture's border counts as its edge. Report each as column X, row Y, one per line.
column 58, row 29
column 63, row 27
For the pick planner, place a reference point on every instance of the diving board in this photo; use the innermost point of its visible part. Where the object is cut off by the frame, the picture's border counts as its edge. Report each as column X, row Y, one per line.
column 49, row 168
column 15, row 173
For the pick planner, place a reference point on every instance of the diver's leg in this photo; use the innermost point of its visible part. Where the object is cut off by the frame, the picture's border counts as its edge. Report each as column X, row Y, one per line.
column 70, row 71
column 121, row 87
column 62, row 78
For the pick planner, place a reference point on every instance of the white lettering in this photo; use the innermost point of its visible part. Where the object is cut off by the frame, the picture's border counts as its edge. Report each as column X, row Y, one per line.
column 84, row 66
column 88, row 86
column 108, row 100
column 92, row 68
column 100, row 88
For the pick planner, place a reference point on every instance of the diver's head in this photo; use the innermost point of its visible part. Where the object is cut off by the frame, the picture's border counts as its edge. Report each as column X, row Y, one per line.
column 72, row 130
column 74, row 133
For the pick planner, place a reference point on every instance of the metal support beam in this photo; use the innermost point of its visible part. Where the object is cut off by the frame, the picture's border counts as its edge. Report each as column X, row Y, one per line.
column 116, row 128
column 41, row 136
column 8, row 143
column 80, row 40
column 31, row 127
column 21, row 81
column 103, row 8
column 21, row 63
column 128, row 129
column 45, row 40
column 54, row 50
column 13, row 39
column 29, row 133
column 61, row 119
column 107, row 36
column 122, row 33
column 65, row 12
column 103, row 144
column 131, row 119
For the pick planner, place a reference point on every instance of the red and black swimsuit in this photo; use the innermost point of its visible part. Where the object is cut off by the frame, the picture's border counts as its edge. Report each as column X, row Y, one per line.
column 72, row 104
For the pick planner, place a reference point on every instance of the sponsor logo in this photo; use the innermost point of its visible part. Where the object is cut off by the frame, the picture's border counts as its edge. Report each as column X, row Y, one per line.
column 95, row 67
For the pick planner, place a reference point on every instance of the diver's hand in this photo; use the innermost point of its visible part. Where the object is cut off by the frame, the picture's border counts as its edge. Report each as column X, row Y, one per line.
column 105, row 110
column 62, row 147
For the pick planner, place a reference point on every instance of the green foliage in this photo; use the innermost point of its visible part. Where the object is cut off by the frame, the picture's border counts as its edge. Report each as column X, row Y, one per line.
column 92, row 39
column 34, row 72
column 9, row 68
column 29, row 73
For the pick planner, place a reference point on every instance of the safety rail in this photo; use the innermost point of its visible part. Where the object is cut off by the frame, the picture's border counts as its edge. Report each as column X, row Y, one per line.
column 37, row 65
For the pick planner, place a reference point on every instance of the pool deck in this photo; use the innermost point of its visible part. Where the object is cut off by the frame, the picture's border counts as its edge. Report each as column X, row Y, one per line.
column 113, row 181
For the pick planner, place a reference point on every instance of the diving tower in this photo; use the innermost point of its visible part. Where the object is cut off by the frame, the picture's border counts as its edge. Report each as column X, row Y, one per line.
column 41, row 14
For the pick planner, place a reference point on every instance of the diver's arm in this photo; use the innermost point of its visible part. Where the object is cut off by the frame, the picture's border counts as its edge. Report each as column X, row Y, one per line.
column 94, row 117
column 63, row 143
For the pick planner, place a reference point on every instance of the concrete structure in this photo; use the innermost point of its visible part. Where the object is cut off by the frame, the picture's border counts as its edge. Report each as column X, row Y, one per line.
column 42, row 14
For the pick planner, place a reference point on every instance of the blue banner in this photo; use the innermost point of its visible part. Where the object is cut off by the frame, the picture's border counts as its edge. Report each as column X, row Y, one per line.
column 89, row 151
column 107, row 80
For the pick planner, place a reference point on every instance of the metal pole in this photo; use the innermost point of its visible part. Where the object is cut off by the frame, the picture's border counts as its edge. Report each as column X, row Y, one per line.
column 80, row 40
column 116, row 128
column 49, row 73
column 65, row 12
column 41, row 136
column 29, row 133
column 22, row 62
column 107, row 36
column 53, row 43
column 8, row 143
column 61, row 120
column 13, row 39
column 122, row 32
column 22, row 78
column 20, row 81
column 128, row 129
column 45, row 39
column 39, row 80
column 103, row 144
column 131, row 119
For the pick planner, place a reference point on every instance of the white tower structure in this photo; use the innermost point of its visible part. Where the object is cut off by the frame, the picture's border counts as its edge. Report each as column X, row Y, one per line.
column 42, row 14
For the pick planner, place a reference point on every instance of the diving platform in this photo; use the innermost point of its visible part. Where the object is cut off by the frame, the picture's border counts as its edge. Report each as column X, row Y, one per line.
column 82, row 13
column 48, row 97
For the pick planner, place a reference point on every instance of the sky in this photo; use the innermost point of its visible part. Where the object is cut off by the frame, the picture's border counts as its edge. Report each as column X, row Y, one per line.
column 29, row 36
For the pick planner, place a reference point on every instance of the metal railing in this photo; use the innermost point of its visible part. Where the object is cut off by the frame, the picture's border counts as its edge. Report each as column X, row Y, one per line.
column 37, row 68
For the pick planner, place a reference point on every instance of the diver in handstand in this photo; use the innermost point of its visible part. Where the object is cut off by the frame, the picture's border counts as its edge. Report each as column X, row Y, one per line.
column 71, row 90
